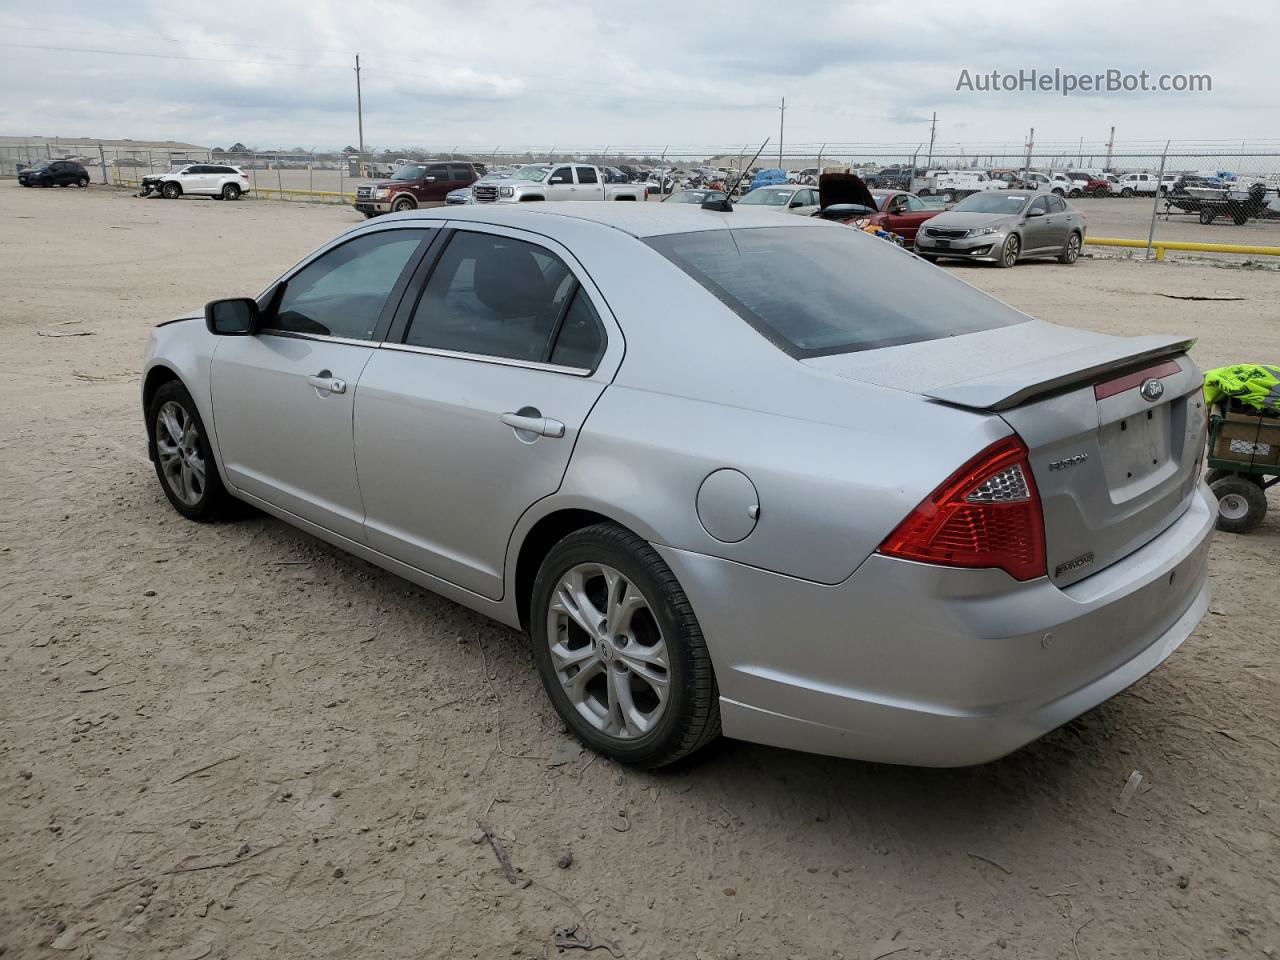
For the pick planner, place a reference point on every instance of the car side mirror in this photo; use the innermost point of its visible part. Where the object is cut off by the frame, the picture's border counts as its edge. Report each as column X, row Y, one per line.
column 1035, row 213
column 796, row 203
column 233, row 317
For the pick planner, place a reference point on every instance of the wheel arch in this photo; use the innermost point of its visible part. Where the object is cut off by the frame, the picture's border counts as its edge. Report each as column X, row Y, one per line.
column 545, row 533
column 156, row 377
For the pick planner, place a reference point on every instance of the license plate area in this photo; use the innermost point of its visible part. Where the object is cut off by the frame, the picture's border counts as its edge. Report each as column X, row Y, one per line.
column 943, row 242
column 1137, row 452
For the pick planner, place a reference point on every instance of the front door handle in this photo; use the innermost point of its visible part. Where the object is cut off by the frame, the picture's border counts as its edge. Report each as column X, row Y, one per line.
column 539, row 426
column 326, row 381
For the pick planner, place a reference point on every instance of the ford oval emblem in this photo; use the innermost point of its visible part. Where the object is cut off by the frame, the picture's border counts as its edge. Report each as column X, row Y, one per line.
column 1152, row 390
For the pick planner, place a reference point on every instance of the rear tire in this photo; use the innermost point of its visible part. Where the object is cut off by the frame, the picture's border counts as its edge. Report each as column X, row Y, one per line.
column 1071, row 252
column 171, row 191
column 1009, row 252
column 1207, row 215
column 231, row 191
column 368, row 215
column 1241, row 504
column 656, row 624
column 179, row 449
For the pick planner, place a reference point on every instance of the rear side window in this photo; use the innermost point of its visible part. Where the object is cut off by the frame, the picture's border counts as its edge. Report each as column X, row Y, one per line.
column 462, row 172
column 587, row 175
column 818, row 290
column 580, row 341
column 493, row 296
column 342, row 292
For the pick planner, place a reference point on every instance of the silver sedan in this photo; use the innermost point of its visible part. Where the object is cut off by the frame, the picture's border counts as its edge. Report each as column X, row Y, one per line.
column 1005, row 227
column 730, row 471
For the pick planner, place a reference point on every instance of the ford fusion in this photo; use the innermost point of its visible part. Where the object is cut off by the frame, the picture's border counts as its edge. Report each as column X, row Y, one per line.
column 732, row 473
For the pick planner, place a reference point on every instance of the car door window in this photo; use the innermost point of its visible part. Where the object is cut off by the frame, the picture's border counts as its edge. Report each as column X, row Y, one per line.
column 460, row 172
column 587, row 175
column 562, row 175
column 342, row 293
column 1039, row 204
column 493, row 296
column 1057, row 205
column 437, row 172
column 580, row 342
column 916, row 205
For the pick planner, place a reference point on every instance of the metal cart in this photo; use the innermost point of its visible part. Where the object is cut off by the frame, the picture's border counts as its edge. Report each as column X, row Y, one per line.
column 1244, row 462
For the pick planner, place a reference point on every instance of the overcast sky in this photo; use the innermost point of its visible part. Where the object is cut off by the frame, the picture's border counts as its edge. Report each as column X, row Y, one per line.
column 481, row 73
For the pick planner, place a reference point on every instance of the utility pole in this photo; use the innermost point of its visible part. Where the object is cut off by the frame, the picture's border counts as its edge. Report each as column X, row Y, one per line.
column 782, row 118
column 933, row 130
column 1031, row 140
column 1111, row 143
column 359, row 104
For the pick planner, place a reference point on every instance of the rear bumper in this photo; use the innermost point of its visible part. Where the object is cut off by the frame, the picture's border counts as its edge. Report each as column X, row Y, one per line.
column 916, row 664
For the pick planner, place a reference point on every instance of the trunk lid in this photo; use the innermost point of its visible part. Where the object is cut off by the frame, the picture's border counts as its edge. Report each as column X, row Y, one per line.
column 1114, row 465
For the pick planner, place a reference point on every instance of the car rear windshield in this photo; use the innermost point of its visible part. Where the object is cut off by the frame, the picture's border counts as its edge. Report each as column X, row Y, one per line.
column 814, row 291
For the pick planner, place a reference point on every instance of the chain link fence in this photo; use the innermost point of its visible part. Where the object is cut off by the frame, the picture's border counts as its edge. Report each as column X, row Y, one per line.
column 1185, row 200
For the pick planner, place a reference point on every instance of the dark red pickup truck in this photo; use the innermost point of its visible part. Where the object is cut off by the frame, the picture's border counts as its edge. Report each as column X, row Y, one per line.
column 419, row 184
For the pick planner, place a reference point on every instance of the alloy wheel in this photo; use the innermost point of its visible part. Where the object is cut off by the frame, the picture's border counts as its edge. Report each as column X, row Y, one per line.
column 178, row 447
column 1011, row 251
column 608, row 651
column 1073, row 248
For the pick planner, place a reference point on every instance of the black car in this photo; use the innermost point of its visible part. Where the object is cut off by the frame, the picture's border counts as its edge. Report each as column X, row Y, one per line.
column 51, row 173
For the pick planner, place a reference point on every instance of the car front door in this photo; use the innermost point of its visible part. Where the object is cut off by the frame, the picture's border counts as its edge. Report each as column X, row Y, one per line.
column 1035, row 231
column 468, row 413
column 912, row 212
column 560, row 185
column 283, row 398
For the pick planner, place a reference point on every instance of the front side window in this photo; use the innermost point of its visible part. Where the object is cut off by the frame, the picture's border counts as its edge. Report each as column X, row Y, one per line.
column 767, row 197
column 587, row 175
column 915, row 204
column 493, row 296
column 342, row 293
column 562, row 175
column 812, row 291
column 1040, row 204
column 1057, row 205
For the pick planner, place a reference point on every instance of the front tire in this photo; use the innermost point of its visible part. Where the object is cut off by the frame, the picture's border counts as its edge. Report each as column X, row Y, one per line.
column 1241, row 504
column 619, row 649
column 179, row 448
column 1126, row 193
column 1009, row 252
column 171, row 191
column 82, row 182
column 403, row 205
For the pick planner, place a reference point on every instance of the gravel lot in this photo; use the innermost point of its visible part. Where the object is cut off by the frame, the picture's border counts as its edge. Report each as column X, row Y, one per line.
column 232, row 741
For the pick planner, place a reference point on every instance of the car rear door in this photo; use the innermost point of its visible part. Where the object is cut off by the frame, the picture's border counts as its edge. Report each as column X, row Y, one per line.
column 283, row 399
column 468, row 413
column 589, row 186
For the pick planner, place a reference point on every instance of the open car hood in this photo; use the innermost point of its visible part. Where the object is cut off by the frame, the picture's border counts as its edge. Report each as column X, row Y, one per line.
column 843, row 188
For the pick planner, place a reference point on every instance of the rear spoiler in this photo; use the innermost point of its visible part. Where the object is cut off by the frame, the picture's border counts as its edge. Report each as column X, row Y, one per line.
column 1004, row 389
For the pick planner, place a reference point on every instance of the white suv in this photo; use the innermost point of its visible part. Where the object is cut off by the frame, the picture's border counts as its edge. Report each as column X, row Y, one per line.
column 198, row 179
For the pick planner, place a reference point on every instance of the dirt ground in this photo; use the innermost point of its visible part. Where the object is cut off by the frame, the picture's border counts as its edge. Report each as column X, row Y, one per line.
column 232, row 741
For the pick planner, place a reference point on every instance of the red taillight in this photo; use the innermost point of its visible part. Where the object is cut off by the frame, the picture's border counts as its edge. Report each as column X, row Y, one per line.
column 986, row 514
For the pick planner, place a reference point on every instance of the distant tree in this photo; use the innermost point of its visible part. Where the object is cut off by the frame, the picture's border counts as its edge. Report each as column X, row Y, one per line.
column 217, row 151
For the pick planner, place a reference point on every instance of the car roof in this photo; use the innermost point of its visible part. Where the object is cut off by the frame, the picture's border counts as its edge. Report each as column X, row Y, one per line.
column 639, row 219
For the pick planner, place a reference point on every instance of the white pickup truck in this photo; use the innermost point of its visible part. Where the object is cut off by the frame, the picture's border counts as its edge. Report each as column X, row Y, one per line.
column 556, row 181
column 955, row 184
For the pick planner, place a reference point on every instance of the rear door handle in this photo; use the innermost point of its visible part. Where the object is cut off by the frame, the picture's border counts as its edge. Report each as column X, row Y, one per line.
column 542, row 426
column 326, row 381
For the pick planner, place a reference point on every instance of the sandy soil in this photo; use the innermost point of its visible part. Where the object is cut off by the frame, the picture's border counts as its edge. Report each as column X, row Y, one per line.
column 232, row 741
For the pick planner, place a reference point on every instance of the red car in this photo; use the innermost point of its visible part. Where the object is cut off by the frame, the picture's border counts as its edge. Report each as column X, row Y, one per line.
column 902, row 213
column 844, row 197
